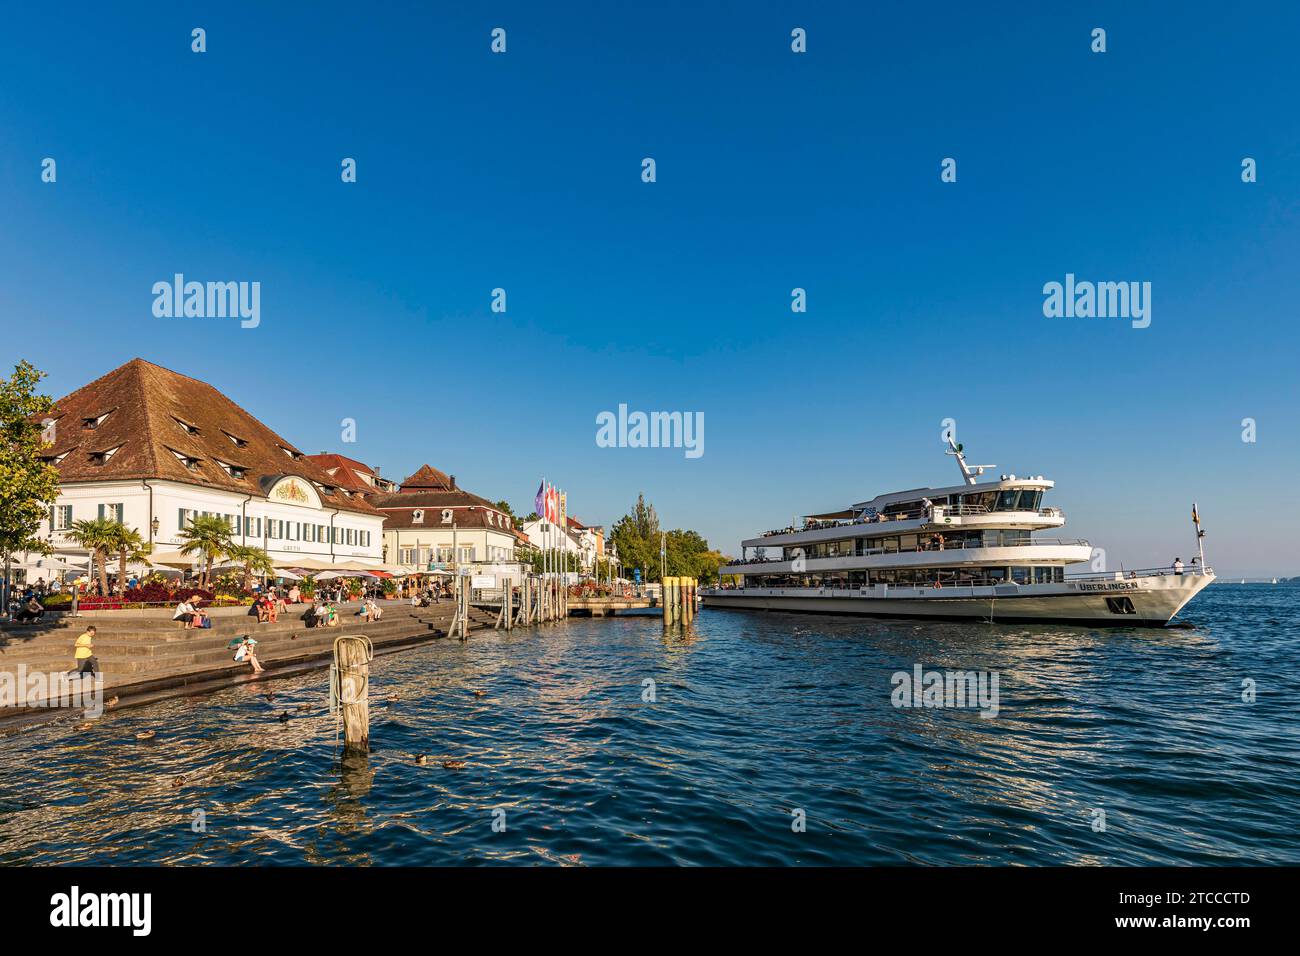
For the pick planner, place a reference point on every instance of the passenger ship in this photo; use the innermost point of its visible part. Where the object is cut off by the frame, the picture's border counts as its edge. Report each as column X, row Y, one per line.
column 968, row 551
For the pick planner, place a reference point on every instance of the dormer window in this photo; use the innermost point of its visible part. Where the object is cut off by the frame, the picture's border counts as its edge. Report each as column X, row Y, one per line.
column 295, row 455
column 417, row 517
column 94, row 421
column 189, row 461
column 236, row 440
column 185, row 426
column 234, row 471
column 102, row 457
column 53, row 459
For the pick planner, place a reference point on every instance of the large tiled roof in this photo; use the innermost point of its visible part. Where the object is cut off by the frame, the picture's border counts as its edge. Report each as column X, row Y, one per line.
column 147, row 415
column 475, row 516
column 430, row 490
column 345, row 470
column 430, row 499
column 428, row 479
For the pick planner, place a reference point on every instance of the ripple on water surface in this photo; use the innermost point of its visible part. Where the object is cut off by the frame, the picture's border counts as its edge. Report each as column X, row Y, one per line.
column 756, row 718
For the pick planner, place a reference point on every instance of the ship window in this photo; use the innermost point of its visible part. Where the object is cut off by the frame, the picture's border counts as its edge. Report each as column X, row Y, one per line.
column 907, row 542
column 1030, row 499
column 1021, row 575
column 1007, row 500
column 1120, row 605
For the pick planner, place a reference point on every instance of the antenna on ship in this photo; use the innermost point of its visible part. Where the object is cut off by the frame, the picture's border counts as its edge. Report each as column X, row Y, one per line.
column 1200, row 535
column 968, row 472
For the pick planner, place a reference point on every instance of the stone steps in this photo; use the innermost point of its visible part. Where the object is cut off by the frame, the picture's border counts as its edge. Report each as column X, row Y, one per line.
column 131, row 656
column 149, row 658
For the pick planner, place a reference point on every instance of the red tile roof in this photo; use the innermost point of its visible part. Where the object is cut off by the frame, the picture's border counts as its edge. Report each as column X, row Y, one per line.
column 148, row 415
column 475, row 516
column 428, row 479
column 344, row 471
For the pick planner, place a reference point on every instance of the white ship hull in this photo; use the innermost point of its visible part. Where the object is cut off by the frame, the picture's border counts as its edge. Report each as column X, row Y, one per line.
column 1153, row 600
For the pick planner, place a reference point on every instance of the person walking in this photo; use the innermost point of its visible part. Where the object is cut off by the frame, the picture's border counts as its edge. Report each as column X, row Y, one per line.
column 84, row 653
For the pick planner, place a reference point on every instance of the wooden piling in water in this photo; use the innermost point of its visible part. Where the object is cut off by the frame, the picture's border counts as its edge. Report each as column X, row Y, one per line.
column 464, row 607
column 671, row 598
column 351, row 689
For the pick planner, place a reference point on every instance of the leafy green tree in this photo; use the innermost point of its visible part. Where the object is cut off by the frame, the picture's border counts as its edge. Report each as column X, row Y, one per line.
column 28, row 486
column 208, row 536
column 255, row 561
column 687, row 553
column 99, row 536
column 636, row 536
column 504, row 507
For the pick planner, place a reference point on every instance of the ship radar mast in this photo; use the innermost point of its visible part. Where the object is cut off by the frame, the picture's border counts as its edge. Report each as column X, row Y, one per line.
column 968, row 472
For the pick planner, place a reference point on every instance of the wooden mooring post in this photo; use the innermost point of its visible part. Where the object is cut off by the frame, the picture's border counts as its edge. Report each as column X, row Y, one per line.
column 525, row 615
column 506, row 619
column 678, row 597
column 350, row 690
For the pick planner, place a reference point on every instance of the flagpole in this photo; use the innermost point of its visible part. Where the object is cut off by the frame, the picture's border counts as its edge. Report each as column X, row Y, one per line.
column 546, row 553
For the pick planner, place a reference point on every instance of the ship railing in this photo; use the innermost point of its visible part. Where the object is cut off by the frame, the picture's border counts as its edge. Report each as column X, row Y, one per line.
column 927, row 547
column 1127, row 574
column 912, row 514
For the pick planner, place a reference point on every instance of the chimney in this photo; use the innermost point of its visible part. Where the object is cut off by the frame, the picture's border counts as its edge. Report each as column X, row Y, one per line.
column 453, row 482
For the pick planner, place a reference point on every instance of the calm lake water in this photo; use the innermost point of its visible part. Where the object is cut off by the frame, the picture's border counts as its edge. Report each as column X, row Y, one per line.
column 756, row 716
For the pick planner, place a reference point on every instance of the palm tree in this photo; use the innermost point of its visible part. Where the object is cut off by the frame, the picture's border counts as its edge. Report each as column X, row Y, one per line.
column 130, row 547
column 99, row 537
column 254, row 560
column 209, row 536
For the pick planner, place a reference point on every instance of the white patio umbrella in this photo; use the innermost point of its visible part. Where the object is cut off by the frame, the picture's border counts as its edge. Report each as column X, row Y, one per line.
column 312, row 564
column 173, row 559
column 286, row 574
column 53, row 564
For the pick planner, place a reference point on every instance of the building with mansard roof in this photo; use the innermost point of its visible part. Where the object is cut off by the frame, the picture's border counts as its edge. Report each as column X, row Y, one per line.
column 432, row 522
column 152, row 448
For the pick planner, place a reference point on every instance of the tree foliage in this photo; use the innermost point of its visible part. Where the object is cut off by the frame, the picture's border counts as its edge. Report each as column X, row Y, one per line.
column 28, row 486
column 129, row 547
column 208, row 536
column 638, row 537
column 99, row 536
column 255, row 562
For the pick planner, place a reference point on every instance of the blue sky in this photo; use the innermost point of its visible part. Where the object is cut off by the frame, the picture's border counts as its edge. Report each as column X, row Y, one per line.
column 775, row 171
